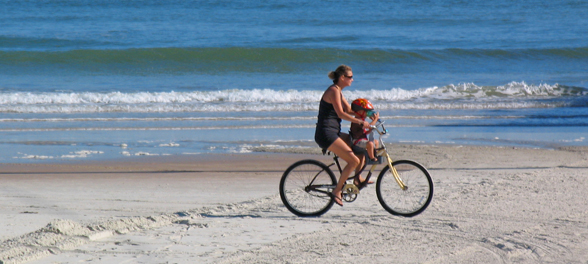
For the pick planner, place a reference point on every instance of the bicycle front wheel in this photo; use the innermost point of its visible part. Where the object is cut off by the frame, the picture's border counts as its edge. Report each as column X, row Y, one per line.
column 408, row 202
column 305, row 188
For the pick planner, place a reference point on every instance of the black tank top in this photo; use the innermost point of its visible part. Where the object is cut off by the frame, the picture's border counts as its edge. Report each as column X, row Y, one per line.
column 327, row 116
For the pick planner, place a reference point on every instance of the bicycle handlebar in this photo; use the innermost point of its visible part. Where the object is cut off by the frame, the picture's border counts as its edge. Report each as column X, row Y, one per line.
column 381, row 132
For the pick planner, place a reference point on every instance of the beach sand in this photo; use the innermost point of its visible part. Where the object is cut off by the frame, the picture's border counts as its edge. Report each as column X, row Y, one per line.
column 490, row 205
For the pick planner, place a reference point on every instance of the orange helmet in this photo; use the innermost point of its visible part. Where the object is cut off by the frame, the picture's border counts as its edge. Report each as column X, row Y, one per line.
column 361, row 104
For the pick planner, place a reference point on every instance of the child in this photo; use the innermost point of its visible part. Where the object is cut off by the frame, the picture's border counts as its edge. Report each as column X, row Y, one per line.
column 362, row 109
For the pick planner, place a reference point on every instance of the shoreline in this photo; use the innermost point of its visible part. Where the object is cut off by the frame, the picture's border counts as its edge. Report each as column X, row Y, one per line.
column 489, row 206
column 260, row 151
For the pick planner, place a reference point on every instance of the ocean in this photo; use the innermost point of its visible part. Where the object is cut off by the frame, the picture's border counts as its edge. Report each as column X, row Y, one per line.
column 93, row 80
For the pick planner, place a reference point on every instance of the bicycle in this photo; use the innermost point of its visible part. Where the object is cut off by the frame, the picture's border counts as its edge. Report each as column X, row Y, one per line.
column 403, row 187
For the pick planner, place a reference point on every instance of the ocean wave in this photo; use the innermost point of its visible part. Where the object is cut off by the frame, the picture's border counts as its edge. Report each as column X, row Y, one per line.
column 159, row 119
column 152, row 128
column 264, row 118
column 261, row 54
column 264, row 59
column 39, row 44
column 471, row 90
column 461, row 96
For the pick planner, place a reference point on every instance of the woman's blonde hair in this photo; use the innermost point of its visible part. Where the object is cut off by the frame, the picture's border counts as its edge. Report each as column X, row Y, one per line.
column 340, row 71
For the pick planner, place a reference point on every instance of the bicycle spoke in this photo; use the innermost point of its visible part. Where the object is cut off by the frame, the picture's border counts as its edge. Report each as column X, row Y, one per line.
column 297, row 193
column 411, row 201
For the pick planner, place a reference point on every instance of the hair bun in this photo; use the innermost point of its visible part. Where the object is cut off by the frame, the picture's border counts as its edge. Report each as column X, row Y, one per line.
column 332, row 75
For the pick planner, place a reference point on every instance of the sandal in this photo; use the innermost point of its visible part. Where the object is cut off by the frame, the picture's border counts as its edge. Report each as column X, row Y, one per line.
column 361, row 183
column 337, row 199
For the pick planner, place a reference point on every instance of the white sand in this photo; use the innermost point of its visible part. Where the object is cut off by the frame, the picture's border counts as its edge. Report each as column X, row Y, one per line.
column 491, row 205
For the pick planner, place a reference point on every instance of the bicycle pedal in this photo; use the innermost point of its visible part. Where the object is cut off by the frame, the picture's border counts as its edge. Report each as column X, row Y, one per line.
column 351, row 189
column 350, row 192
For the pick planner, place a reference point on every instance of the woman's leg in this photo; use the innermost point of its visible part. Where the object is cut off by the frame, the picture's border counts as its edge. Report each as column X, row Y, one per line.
column 361, row 158
column 358, row 179
column 341, row 149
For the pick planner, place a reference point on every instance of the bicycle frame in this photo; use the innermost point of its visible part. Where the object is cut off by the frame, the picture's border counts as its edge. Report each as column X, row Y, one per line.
column 306, row 187
column 381, row 151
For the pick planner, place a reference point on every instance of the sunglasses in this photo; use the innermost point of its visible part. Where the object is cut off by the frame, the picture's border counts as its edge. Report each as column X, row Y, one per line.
column 350, row 77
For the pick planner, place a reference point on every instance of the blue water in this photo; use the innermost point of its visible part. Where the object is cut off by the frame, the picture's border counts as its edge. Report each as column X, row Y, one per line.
column 110, row 79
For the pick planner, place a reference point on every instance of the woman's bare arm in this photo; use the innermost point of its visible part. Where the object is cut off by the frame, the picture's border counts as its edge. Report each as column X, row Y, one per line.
column 334, row 97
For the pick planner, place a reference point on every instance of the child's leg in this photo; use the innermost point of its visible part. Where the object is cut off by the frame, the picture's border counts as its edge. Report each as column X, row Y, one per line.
column 370, row 149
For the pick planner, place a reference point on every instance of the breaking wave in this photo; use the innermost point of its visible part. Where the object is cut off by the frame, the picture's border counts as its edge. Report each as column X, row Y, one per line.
column 461, row 96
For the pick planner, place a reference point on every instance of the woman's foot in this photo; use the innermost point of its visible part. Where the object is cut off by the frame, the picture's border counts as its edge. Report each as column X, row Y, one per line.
column 358, row 181
column 337, row 199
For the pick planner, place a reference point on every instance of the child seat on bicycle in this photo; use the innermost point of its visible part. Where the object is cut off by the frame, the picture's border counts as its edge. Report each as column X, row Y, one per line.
column 363, row 137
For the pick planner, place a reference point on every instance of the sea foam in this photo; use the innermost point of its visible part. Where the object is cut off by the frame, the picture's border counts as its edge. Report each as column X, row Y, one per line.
column 460, row 96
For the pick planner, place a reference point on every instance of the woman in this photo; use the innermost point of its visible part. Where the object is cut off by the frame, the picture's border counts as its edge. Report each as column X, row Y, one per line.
column 333, row 107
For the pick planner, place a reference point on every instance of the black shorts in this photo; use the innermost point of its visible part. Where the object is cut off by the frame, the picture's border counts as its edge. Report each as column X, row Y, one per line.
column 325, row 137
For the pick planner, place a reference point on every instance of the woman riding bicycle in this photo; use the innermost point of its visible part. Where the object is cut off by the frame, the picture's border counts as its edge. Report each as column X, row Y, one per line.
column 332, row 109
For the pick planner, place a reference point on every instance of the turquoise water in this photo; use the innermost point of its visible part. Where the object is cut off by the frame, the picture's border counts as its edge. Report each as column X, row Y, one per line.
column 109, row 79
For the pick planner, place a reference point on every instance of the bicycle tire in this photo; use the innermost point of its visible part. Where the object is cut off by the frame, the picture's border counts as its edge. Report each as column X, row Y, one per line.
column 412, row 201
column 299, row 199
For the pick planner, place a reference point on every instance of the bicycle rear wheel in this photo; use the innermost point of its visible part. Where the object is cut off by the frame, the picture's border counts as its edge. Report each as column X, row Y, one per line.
column 305, row 188
column 411, row 201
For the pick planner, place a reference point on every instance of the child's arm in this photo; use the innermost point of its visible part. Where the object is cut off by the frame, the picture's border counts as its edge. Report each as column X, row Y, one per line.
column 375, row 119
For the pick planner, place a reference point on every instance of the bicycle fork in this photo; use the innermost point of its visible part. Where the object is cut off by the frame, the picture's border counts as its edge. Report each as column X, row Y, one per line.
column 393, row 170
